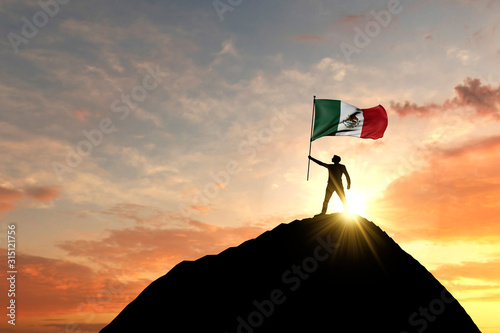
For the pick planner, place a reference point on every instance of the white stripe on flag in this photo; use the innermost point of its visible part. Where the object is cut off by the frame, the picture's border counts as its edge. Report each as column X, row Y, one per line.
column 345, row 111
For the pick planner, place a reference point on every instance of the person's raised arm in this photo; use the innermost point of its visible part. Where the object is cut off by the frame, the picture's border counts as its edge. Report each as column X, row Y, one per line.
column 317, row 162
column 347, row 178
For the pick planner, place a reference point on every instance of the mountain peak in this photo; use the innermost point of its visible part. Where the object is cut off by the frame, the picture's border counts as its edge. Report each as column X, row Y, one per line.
column 334, row 272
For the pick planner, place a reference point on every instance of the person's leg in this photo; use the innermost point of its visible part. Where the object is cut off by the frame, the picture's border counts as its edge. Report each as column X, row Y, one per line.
column 341, row 194
column 328, row 195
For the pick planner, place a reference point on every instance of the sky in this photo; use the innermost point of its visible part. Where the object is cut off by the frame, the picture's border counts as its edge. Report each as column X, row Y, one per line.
column 138, row 134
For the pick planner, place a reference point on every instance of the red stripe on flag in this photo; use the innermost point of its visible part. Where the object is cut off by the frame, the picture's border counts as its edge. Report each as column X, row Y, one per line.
column 374, row 123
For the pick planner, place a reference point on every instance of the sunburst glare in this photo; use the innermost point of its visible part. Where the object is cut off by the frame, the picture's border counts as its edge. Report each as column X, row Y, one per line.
column 356, row 203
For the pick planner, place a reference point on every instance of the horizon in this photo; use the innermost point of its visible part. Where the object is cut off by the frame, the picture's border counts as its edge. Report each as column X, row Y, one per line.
column 139, row 135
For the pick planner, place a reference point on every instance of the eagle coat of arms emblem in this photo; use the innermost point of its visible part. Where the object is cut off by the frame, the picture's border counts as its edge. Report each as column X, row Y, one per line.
column 351, row 121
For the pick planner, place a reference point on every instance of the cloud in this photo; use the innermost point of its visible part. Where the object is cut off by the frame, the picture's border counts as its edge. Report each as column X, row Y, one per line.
column 308, row 38
column 482, row 145
column 80, row 328
column 488, row 271
column 81, row 114
column 152, row 251
column 57, row 287
column 349, row 22
column 140, row 214
column 8, row 197
column 42, row 193
column 455, row 196
column 228, row 48
column 200, row 208
column 482, row 99
column 5, row 206
column 478, row 280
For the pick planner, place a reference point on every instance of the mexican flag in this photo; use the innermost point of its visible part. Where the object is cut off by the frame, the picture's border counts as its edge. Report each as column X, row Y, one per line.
column 336, row 118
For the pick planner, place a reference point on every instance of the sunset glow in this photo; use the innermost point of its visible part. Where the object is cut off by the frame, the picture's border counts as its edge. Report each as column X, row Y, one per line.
column 134, row 137
column 356, row 203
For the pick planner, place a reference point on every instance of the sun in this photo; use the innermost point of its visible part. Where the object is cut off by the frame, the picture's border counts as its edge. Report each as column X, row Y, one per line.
column 356, row 203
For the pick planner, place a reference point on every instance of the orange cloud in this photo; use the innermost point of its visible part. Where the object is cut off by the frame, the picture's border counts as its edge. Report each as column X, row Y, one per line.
column 156, row 250
column 486, row 145
column 81, row 114
column 308, row 38
column 483, row 36
column 53, row 293
column 80, row 328
column 60, row 287
column 486, row 272
column 200, row 208
column 137, row 213
column 483, row 99
column 349, row 22
column 42, row 193
column 489, row 271
column 42, row 277
column 8, row 197
column 5, row 207
column 456, row 196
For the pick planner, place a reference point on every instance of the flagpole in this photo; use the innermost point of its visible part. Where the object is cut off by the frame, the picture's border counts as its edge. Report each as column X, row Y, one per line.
column 310, row 138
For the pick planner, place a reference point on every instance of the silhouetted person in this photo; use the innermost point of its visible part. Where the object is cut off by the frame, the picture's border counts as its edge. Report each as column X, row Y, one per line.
column 335, row 172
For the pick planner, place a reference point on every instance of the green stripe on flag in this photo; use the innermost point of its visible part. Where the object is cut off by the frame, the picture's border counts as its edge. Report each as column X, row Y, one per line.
column 326, row 117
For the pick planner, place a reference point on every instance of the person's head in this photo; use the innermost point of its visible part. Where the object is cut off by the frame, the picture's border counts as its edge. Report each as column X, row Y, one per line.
column 336, row 159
